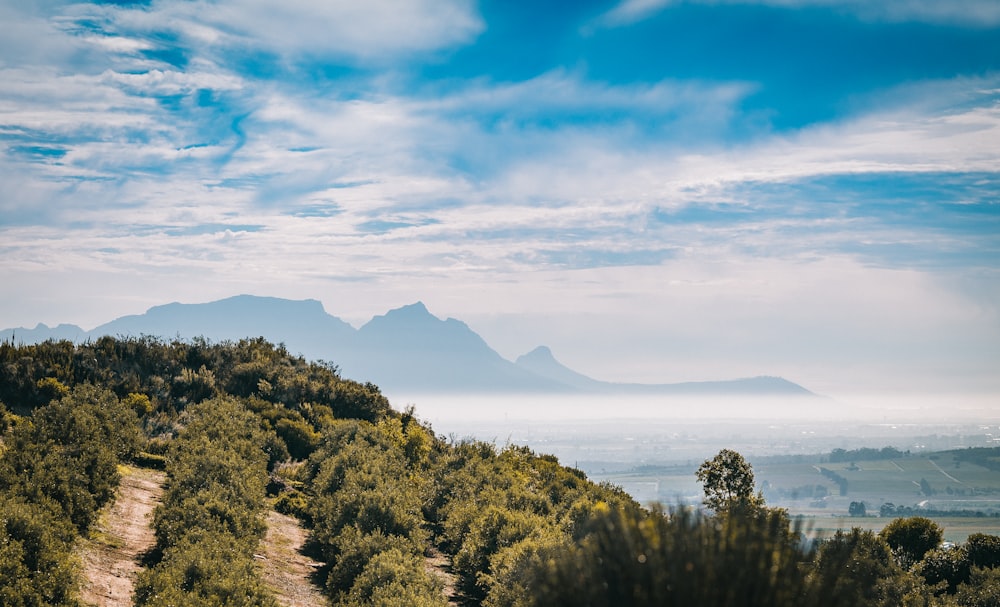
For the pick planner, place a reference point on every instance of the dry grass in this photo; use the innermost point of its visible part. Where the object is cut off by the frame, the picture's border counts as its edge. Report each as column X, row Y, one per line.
column 285, row 570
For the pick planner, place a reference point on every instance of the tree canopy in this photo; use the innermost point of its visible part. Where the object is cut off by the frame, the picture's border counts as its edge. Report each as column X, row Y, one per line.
column 728, row 482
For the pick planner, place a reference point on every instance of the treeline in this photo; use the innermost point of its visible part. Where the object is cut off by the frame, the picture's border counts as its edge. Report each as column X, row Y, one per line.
column 987, row 457
column 57, row 469
column 891, row 510
column 865, row 454
column 839, row 479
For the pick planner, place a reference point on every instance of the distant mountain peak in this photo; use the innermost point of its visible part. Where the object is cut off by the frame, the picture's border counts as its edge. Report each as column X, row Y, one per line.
column 541, row 353
column 412, row 316
column 543, row 363
column 416, row 309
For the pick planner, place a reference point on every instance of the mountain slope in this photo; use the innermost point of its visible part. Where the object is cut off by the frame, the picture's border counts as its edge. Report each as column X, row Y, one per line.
column 542, row 362
column 410, row 348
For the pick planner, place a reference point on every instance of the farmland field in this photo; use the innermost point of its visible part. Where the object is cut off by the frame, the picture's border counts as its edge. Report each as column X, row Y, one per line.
column 937, row 485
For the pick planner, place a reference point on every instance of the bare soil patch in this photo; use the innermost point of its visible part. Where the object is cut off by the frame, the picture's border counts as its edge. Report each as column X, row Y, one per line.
column 111, row 556
column 438, row 566
column 285, row 570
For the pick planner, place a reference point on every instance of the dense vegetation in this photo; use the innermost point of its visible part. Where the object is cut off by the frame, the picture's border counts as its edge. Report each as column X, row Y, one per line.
column 210, row 521
column 241, row 427
column 56, row 471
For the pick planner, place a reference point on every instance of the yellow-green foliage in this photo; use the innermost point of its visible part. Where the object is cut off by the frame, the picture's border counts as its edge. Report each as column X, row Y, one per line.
column 36, row 563
column 210, row 520
column 394, row 578
column 173, row 375
column 58, row 468
column 204, row 569
column 68, row 453
column 367, row 491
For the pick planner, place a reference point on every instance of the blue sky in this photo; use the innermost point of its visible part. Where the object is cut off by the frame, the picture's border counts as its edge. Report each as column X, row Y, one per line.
column 659, row 190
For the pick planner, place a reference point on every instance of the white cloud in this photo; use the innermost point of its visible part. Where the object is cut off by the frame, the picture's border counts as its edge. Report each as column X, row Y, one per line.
column 974, row 13
column 369, row 31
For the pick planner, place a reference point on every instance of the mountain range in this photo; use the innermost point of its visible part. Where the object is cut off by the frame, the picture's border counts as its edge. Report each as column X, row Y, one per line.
column 408, row 349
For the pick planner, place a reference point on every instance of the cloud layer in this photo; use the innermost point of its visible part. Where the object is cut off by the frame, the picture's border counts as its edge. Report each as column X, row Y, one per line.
column 371, row 155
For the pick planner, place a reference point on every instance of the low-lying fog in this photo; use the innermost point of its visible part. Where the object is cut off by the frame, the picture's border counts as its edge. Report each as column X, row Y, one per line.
column 642, row 430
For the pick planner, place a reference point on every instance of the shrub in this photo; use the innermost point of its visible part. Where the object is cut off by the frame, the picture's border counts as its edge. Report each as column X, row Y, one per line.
column 678, row 559
column 204, row 568
column 851, row 567
column 210, row 520
column 911, row 538
column 497, row 528
column 394, row 578
column 36, row 563
column 351, row 552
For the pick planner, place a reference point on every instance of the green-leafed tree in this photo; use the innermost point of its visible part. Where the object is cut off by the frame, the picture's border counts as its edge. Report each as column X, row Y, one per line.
column 853, row 568
column 728, row 482
column 911, row 538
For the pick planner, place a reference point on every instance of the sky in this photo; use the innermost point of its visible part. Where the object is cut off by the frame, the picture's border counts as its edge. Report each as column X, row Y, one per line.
column 658, row 190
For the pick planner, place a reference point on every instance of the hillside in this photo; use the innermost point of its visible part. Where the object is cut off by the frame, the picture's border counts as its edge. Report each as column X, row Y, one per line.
column 385, row 512
column 407, row 350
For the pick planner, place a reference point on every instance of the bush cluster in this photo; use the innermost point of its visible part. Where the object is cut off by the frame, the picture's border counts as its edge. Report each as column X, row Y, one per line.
column 367, row 484
column 173, row 375
column 378, row 490
column 210, row 521
column 57, row 469
column 502, row 513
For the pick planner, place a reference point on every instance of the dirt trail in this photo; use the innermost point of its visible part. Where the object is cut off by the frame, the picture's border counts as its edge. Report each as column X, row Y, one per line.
column 283, row 566
column 123, row 533
column 438, row 566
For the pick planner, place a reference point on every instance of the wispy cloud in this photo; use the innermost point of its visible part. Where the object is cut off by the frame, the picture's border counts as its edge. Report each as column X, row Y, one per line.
column 362, row 31
column 976, row 13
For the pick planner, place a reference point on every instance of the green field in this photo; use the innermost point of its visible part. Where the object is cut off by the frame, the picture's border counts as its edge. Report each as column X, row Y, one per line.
column 956, row 529
column 932, row 484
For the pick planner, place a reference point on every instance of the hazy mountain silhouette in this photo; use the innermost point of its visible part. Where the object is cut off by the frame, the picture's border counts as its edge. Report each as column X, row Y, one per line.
column 42, row 332
column 304, row 326
column 411, row 348
column 406, row 349
column 541, row 362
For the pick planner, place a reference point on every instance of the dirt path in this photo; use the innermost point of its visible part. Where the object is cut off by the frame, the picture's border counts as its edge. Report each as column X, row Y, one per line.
column 283, row 566
column 123, row 533
column 939, row 469
column 438, row 566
